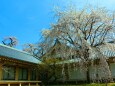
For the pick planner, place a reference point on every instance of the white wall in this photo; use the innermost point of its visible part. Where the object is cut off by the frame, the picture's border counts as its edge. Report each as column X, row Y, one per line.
column 95, row 73
column 112, row 67
column 77, row 74
column 92, row 71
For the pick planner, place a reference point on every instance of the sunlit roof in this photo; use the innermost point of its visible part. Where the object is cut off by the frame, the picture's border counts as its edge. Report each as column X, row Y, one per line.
column 13, row 53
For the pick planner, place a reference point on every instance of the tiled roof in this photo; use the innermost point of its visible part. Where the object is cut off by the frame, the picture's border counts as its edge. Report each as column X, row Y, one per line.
column 107, row 50
column 13, row 53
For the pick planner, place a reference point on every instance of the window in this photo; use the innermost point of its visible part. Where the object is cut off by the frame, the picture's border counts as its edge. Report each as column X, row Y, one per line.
column 33, row 75
column 22, row 74
column 8, row 73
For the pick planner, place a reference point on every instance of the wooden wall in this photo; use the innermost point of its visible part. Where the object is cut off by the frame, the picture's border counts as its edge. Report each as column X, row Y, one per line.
column 17, row 64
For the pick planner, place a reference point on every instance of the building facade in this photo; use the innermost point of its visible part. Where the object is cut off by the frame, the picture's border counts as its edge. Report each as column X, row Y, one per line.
column 77, row 74
column 17, row 67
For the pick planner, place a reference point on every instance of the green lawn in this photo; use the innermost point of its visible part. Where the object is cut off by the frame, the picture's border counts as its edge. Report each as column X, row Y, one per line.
column 93, row 84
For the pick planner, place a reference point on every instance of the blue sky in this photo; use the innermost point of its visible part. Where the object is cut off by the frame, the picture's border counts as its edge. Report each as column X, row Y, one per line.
column 24, row 19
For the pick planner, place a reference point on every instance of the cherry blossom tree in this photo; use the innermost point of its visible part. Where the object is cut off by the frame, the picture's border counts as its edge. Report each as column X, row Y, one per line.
column 10, row 41
column 83, row 31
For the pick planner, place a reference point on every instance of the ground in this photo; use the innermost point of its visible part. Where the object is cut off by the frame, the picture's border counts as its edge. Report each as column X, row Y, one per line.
column 93, row 84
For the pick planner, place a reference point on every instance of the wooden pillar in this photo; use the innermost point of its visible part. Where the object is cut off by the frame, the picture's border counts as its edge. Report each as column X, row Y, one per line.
column 16, row 75
column 29, row 84
column 0, row 71
column 37, row 84
column 29, row 74
column 36, row 75
column 20, row 84
column 8, row 84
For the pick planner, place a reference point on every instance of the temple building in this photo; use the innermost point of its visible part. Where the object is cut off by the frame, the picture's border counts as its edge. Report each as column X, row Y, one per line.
column 96, row 71
column 17, row 68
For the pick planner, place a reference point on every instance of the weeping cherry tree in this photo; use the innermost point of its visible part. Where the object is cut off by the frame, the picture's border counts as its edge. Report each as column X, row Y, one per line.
column 82, row 32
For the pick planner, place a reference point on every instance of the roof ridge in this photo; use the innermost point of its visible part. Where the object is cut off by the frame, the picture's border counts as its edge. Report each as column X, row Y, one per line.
column 15, row 49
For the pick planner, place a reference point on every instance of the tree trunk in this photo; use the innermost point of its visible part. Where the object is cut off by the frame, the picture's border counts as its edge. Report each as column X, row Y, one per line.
column 86, row 55
column 88, row 76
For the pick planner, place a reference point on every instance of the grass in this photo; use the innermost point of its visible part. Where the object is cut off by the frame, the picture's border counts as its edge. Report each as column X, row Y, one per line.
column 92, row 84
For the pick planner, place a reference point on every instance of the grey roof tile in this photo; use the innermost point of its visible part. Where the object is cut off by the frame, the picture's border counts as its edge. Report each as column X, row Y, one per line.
column 108, row 50
column 13, row 53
